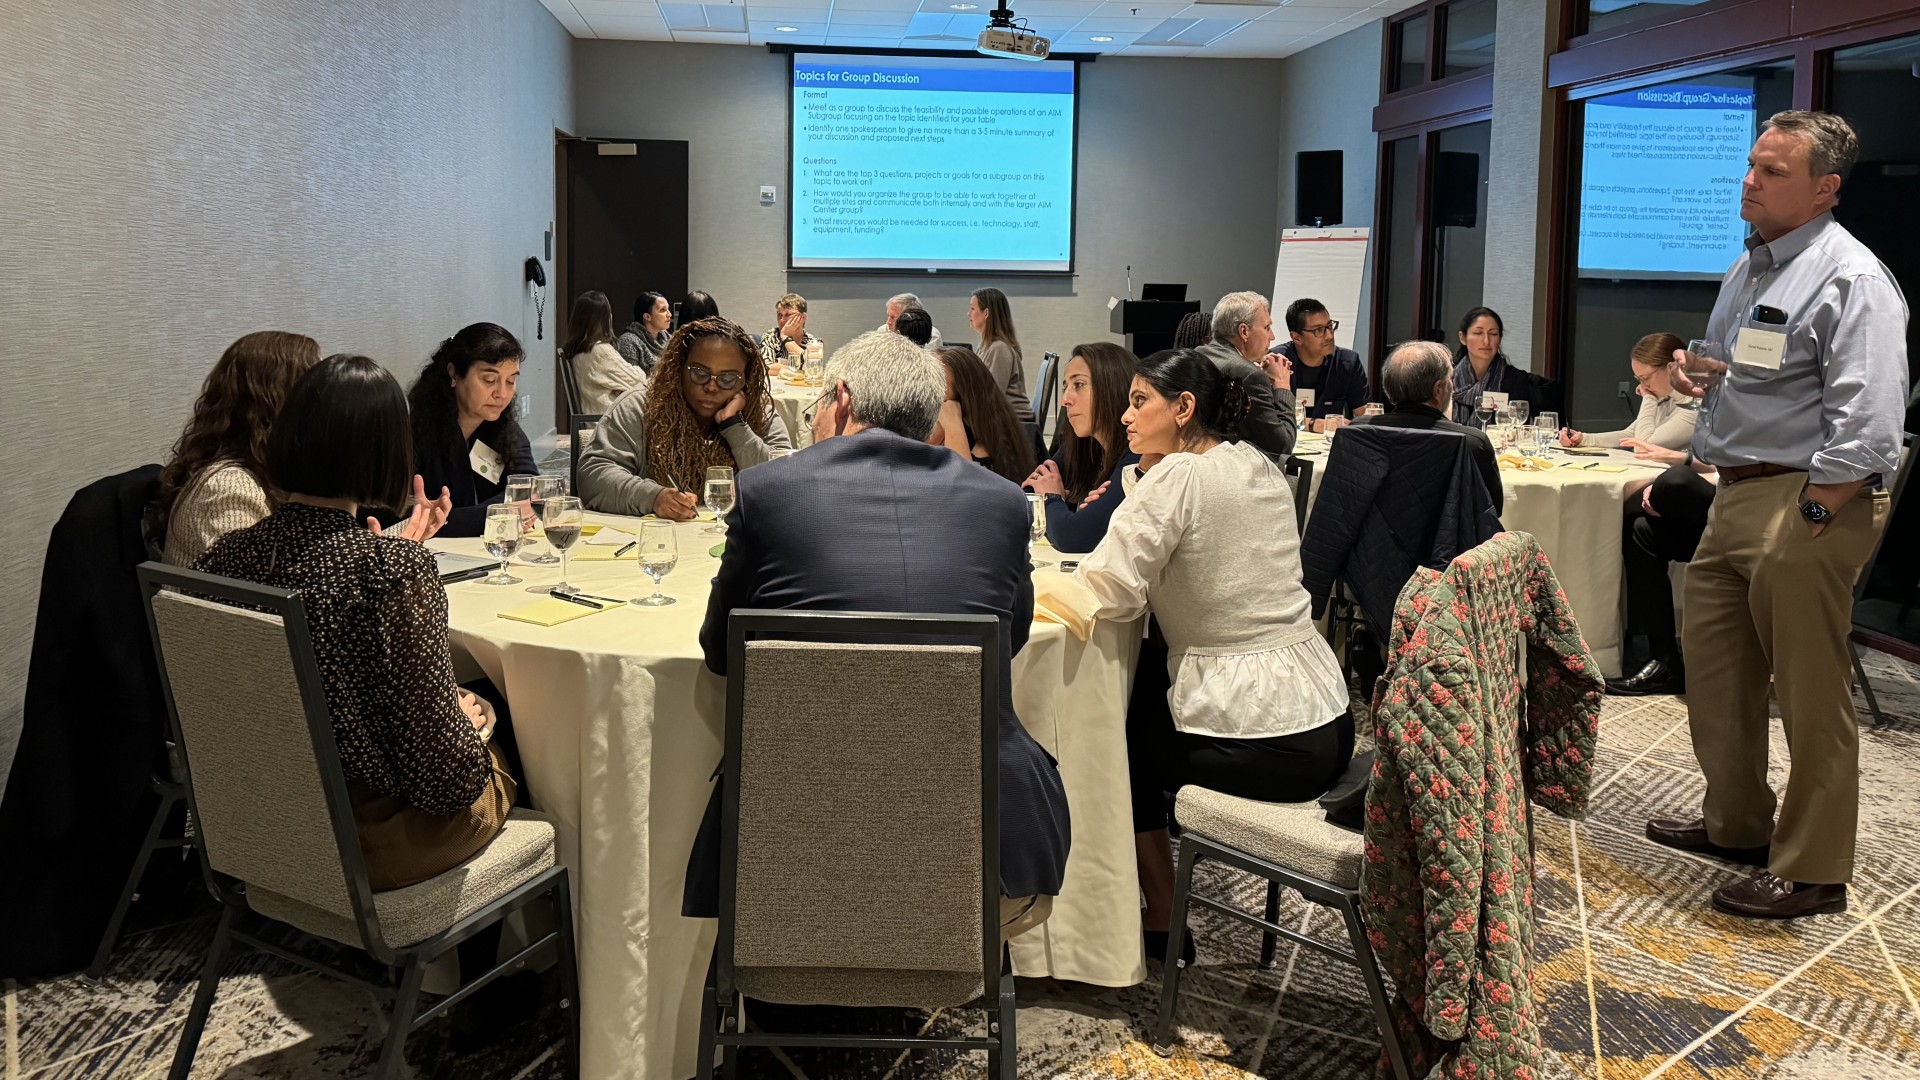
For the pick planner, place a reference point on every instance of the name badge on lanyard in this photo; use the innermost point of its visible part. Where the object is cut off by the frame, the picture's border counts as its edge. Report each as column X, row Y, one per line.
column 486, row 461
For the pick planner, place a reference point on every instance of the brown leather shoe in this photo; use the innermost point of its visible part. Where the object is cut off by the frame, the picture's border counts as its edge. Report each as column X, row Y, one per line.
column 1764, row 896
column 1692, row 836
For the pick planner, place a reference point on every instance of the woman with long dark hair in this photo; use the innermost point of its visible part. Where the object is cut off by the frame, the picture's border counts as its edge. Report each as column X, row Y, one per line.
column 640, row 343
column 698, row 305
column 1247, row 699
column 1479, row 365
column 1083, row 481
column 428, row 790
column 976, row 422
column 992, row 318
column 215, row 482
column 598, row 369
column 708, row 405
column 465, row 439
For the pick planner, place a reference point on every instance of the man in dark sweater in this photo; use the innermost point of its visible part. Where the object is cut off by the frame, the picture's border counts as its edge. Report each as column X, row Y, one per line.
column 1418, row 380
column 1336, row 377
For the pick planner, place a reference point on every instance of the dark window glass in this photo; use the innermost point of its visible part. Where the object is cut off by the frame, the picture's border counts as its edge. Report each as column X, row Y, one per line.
column 1874, row 87
column 1457, row 225
column 1402, row 179
column 1606, row 14
column 1410, row 53
column 1654, row 221
column 1469, row 36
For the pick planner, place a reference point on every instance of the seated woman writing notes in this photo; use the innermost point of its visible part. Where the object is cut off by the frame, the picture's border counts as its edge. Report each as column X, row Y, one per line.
column 1663, row 429
column 1084, row 480
column 1248, row 699
column 707, row 406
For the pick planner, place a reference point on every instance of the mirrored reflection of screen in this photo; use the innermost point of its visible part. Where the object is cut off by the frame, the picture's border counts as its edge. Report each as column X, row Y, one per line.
column 1660, row 180
column 931, row 163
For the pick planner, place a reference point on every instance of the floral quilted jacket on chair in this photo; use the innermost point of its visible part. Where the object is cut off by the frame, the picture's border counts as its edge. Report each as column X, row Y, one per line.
column 1463, row 749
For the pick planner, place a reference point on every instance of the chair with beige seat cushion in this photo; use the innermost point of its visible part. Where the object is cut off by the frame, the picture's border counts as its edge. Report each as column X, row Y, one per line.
column 859, row 843
column 1291, row 845
column 277, row 834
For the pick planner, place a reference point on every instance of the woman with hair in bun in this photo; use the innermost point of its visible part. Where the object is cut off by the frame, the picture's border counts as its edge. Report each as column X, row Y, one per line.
column 465, row 439
column 1247, row 698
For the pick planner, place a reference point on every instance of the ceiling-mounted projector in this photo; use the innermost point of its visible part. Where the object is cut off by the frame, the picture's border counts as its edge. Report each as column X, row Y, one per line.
column 1003, row 39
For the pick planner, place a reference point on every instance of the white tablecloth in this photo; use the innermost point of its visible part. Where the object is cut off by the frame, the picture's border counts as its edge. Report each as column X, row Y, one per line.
column 619, row 727
column 791, row 401
column 1575, row 513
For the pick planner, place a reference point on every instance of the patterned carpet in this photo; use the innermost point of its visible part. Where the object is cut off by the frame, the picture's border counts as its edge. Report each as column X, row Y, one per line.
column 1637, row 976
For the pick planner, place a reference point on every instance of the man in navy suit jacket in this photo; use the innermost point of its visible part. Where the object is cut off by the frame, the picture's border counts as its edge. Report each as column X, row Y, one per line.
column 872, row 518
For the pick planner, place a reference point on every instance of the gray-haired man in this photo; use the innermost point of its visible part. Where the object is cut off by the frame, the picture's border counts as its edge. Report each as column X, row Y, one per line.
column 906, row 301
column 1242, row 331
column 1804, row 428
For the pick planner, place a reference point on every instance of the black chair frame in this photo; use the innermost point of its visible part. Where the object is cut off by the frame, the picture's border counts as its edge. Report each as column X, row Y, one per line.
column 1194, row 847
column 576, row 423
column 1873, row 639
column 406, row 966
column 722, row 1010
column 568, row 383
column 1301, row 470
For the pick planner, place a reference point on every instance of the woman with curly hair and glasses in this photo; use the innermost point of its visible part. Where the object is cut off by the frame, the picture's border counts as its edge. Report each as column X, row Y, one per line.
column 216, row 480
column 708, row 405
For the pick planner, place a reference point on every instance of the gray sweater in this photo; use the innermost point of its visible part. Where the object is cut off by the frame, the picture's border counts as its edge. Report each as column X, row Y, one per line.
column 615, row 476
column 1003, row 360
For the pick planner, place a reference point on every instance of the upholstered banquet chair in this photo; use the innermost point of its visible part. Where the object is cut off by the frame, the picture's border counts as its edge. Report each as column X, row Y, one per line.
column 249, row 712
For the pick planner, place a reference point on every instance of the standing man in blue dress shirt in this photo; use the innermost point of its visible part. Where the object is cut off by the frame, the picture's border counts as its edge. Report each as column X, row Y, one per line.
column 1804, row 427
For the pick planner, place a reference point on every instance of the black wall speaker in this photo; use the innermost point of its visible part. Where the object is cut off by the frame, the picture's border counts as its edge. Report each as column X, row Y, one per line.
column 1456, row 189
column 1317, row 187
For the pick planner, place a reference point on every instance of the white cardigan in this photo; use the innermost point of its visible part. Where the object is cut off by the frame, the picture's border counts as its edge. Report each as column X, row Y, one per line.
column 1666, row 422
column 1208, row 542
column 224, row 498
column 604, row 375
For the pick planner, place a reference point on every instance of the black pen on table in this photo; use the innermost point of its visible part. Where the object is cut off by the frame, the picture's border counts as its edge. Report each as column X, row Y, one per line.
column 628, row 546
column 581, row 600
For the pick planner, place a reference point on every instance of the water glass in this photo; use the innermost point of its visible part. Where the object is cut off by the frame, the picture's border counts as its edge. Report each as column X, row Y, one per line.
column 1546, row 433
column 659, row 554
column 1037, row 527
column 1520, row 410
column 502, row 534
column 1705, row 363
column 717, row 494
column 544, row 488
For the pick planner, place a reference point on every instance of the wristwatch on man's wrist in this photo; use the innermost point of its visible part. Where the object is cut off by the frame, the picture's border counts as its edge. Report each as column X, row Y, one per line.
column 1814, row 512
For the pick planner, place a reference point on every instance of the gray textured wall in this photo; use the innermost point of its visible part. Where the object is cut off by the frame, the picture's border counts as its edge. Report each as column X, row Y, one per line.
column 1330, row 91
column 1177, row 170
column 1520, row 229
column 176, row 175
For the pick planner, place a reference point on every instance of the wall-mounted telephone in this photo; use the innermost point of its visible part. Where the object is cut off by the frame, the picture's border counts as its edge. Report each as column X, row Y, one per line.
column 537, row 280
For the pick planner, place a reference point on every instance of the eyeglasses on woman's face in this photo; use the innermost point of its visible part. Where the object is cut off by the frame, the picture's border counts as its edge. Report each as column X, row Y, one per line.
column 725, row 380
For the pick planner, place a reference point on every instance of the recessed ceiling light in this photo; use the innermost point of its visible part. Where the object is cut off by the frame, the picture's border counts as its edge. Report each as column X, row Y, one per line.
column 1102, row 38
column 964, row 7
column 788, row 29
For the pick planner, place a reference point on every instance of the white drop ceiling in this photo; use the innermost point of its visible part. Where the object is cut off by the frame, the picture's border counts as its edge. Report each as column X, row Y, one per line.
column 1119, row 27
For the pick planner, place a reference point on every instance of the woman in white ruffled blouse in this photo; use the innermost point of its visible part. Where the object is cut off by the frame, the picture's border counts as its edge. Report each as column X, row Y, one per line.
column 1250, row 700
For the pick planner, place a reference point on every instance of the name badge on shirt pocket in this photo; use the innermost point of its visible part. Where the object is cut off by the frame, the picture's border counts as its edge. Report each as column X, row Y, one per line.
column 1495, row 398
column 486, row 461
column 1304, row 397
column 1759, row 348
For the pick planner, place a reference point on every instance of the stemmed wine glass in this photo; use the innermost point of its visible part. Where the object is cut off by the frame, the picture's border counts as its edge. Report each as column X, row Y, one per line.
column 1037, row 527
column 1519, row 409
column 544, row 488
column 502, row 535
column 562, row 518
column 659, row 554
column 717, row 494
column 1483, row 411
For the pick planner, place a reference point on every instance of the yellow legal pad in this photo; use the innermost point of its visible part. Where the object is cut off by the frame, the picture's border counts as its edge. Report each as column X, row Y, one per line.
column 552, row 612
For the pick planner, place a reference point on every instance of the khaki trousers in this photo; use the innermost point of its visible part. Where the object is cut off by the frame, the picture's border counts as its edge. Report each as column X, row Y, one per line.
column 1764, row 598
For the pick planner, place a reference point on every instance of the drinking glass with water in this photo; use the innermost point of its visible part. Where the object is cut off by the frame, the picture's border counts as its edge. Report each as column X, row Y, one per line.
column 717, row 494
column 659, row 554
column 501, row 535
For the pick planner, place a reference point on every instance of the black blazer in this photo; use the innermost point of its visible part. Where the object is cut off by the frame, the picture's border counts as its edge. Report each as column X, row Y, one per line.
column 947, row 537
column 440, row 466
column 91, row 739
column 1428, row 418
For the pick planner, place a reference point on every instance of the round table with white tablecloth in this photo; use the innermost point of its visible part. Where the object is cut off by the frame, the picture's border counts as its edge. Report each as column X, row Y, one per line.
column 619, row 727
column 792, row 400
column 1574, row 509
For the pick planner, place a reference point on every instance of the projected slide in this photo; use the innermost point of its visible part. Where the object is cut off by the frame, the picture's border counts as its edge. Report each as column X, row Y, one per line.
column 931, row 163
column 1660, row 181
